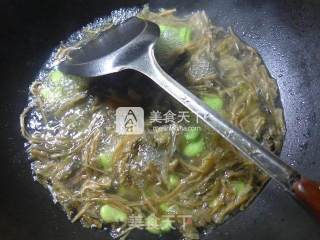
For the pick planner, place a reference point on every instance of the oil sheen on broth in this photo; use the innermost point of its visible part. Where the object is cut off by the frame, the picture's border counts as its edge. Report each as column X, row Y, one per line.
column 175, row 168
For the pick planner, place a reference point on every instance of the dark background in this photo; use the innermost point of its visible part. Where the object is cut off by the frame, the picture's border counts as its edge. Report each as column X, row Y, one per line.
column 286, row 33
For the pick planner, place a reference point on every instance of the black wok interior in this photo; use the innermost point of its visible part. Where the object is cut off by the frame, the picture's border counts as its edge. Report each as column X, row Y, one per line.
column 287, row 35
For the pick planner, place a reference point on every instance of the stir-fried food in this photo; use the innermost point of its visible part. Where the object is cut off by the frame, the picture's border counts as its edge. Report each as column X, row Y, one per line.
column 178, row 174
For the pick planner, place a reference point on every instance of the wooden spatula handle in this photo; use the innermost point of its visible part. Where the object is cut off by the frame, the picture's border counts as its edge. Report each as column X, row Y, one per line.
column 308, row 192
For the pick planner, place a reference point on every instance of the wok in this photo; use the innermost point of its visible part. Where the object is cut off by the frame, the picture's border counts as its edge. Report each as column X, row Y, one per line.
column 286, row 34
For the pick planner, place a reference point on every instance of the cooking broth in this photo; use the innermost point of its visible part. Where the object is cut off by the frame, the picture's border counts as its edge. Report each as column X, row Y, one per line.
column 178, row 174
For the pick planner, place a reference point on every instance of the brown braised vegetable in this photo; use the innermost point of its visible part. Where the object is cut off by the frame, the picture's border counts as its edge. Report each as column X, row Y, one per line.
column 98, row 175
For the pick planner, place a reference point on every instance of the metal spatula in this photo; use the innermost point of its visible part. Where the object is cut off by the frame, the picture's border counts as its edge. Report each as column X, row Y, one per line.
column 131, row 46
